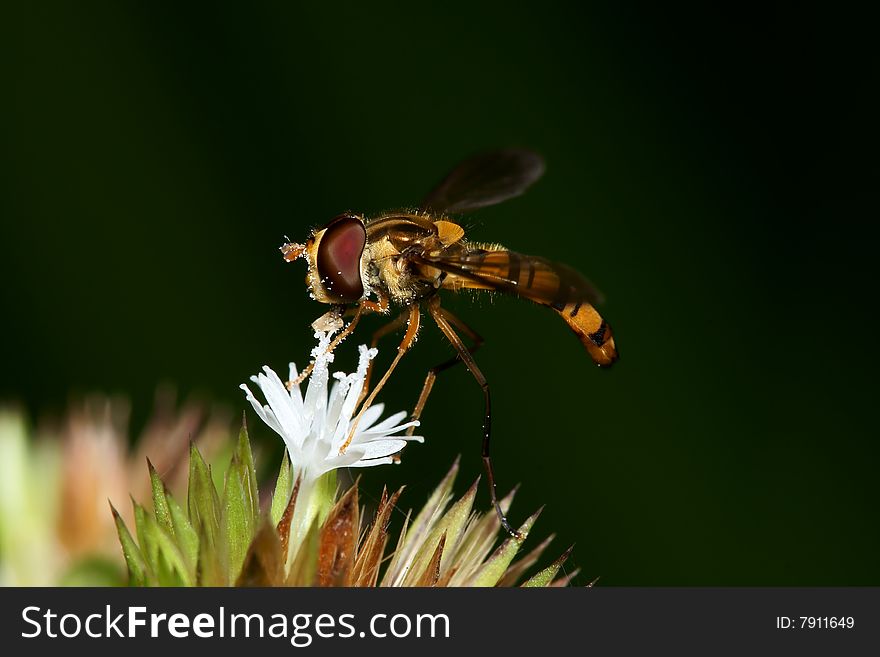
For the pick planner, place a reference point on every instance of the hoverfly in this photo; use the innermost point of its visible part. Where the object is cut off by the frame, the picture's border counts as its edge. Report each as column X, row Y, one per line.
column 405, row 258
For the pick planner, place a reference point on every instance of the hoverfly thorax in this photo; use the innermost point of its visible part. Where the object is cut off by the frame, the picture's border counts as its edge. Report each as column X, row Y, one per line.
column 334, row 255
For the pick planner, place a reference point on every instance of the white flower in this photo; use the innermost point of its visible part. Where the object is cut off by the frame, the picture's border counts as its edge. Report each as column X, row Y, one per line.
column 316, row 427
column 320, row 435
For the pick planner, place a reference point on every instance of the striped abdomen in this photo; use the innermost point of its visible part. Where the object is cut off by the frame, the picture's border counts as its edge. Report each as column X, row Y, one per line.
column 548, row 283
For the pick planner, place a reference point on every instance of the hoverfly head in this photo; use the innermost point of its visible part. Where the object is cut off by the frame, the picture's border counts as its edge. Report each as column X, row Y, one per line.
column 334, row 255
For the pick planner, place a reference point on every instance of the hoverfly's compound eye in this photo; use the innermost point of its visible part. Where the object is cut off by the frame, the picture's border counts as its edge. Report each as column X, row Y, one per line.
column 339, row 258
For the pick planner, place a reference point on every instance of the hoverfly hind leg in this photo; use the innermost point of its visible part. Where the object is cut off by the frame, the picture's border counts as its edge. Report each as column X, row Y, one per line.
column 445, row 320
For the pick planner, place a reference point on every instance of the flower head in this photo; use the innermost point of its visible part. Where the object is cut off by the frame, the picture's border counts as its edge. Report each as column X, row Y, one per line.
column 316, row 427
column 321, row 435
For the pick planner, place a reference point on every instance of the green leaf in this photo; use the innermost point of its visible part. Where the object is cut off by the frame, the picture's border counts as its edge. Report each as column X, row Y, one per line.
column 240, row 507
column 204, row 516
column 545, row 576
column 160, row 503
column 140, row 525
column 434, row 506
column 237, row 522
column 246, row 457
column 323, row 496
column 187, row 538
column 162, row 553
column 210, row 570
column 283, row 488
column 173, row 521
column 477, row 542
column 134, row 560
column 451, row 526
column 493, row 570
column 202, row 501
column 516, row 570
column 241, row 504
column 413, row 534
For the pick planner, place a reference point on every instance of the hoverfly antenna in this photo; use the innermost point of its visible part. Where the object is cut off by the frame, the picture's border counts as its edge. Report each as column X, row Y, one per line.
column 291, row 250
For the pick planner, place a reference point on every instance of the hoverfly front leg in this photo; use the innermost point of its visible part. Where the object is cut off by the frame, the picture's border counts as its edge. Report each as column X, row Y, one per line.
column 323, row 323
column 380, row 306
column 444, row 321
column 390, row 327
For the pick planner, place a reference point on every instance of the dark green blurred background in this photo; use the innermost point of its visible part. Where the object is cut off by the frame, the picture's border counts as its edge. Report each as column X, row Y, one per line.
column 715, row 172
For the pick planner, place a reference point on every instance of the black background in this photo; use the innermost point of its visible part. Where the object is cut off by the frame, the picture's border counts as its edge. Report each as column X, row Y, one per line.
column 713, row 170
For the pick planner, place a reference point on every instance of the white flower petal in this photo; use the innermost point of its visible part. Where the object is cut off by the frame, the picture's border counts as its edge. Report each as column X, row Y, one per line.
column 280, row 403
column 385, row 460
column 365, row 436
column 316, row 394
column 415, row 439
column 370, row 416
column 336, row 404
column 265, row 414
column 379, row 448
column 295, row 392
column 389, row 422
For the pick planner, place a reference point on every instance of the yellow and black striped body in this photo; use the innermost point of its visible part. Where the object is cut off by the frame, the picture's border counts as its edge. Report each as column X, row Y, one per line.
column 547, row 283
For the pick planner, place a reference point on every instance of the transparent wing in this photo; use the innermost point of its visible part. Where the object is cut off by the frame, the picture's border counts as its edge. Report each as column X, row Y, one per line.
column 485, row 179
column 540, row 280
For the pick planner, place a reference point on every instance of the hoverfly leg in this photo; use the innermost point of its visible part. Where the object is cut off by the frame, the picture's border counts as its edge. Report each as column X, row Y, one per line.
column 301, row 377
column 383, row 305
column 390, row 327
column 412, row 330
column 444, row 321
column 477, row 341
column 307, row 370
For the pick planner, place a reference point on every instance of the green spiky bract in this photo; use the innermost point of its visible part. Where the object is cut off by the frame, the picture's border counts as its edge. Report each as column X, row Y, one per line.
column 310, row 535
